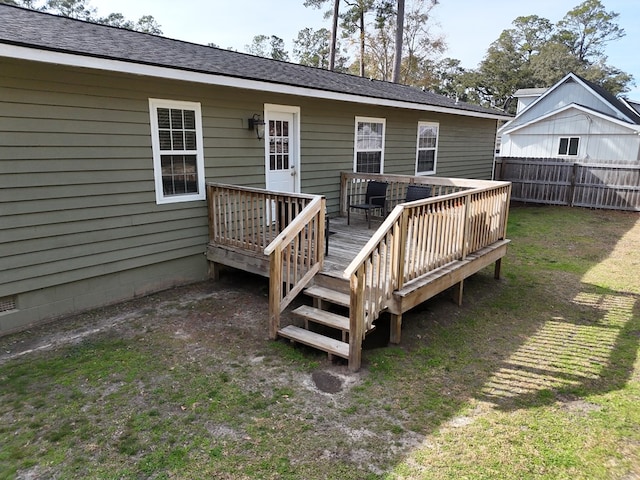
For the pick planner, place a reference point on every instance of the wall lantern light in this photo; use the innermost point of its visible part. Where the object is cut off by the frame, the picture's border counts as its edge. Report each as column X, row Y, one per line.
column 257, row 124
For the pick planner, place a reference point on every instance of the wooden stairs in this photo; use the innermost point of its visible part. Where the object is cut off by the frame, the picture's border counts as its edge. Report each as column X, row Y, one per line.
column 326, row 292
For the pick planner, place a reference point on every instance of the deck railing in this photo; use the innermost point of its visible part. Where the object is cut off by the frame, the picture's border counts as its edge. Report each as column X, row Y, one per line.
column 296, row 255
column 356, row 184
column 288, row 228
column 419, row 237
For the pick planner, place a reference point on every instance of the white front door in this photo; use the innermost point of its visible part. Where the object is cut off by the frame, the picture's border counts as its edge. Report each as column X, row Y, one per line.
column 282, row 151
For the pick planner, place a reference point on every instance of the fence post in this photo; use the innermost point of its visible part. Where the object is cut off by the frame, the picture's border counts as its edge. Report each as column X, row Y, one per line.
column 572, row 186
column 500, row 161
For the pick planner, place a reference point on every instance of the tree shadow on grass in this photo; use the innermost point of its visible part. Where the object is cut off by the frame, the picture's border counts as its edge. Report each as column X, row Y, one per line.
column 592, row 351
column 540, row 335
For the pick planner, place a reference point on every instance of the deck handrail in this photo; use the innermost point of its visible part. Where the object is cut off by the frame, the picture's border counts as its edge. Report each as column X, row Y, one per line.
column 249, row 218
column 417, row 238
column 286, row 227
column 296, row 255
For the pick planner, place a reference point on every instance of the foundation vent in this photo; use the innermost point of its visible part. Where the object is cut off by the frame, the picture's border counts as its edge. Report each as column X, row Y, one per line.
column 7, row 303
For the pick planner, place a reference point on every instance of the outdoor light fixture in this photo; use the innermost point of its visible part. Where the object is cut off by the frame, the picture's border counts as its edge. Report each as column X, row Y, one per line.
column 257, row 124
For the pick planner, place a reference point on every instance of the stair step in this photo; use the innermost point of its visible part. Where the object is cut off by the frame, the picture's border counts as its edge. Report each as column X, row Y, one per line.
column 323, row 317
column 315, row 340
column 332, row 282
column 333, row 296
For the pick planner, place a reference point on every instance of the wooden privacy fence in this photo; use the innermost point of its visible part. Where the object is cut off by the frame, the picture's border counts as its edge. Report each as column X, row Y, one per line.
column 417, row 238
column 251, row 225
column 581, row 184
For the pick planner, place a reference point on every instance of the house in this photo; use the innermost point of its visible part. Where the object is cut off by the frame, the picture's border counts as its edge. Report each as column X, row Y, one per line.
column 574, row 120
column 107, row 137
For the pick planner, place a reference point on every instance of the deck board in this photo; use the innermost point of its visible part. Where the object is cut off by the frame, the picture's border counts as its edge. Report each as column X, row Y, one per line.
column 345, row 242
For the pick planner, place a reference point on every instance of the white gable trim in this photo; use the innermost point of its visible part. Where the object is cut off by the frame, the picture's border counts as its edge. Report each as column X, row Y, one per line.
column 572, row 106
column 120, row 66
column 631, row 105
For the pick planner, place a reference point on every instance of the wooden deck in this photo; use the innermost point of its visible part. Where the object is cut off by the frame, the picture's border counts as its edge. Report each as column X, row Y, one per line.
column 345, row 242
column 420, row 249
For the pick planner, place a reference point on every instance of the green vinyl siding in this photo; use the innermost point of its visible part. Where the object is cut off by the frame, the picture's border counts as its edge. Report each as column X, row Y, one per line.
column 327, row 131
column 466, row 148
column 79, row 223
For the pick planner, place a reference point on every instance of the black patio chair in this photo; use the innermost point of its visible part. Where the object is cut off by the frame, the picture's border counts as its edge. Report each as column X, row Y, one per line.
column 375, row 198
column 417, row 192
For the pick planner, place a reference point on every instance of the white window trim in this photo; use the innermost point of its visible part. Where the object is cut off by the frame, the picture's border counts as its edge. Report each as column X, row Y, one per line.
column 154, row 104
column 568, row 145
column 383, row 121
column 435, row 149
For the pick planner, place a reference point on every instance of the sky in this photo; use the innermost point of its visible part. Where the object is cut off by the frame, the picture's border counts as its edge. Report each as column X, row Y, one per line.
column 469, row 26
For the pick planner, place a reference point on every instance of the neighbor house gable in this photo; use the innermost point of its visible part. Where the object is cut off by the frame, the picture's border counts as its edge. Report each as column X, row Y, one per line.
column 573, row 90
column 566, row 112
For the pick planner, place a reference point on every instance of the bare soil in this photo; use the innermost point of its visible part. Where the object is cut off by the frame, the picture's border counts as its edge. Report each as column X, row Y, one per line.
column 226, row 322
column 210, row 316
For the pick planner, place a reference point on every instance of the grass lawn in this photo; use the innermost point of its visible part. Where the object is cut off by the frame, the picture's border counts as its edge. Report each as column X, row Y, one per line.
column 535, row 376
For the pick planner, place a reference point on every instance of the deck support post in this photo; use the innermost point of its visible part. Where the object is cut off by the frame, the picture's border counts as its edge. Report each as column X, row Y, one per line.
column 356, row 319
column 275, row 293
column 396, row 328
column 458, row 290
column 496, row 270
column 214, row 271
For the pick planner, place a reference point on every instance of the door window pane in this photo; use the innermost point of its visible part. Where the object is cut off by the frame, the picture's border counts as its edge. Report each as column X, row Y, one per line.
column 279, row 145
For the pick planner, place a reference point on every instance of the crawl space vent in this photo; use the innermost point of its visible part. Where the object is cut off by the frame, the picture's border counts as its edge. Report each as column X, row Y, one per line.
column 7, row 303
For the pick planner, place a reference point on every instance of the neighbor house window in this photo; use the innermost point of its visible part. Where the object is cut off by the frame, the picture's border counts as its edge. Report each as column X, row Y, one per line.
column 369, row 145
column 568, row 146
column 178, row 159
column 427, row 149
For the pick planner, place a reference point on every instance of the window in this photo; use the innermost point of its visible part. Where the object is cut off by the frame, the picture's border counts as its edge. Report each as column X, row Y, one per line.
column 427, row 149
column 178, row 159
column 569, row 146
column 369, row 145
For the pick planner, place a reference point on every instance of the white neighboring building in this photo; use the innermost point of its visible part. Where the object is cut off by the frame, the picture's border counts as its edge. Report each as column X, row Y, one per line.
column 573, row 120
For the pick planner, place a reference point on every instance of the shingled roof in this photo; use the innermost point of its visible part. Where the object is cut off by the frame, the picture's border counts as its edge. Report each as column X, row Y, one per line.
column 20, row 27
column 613, row 100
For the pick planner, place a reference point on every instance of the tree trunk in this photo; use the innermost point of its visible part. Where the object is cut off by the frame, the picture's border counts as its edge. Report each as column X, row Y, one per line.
column 362, row 38
column 334, row 35
column 399, row 37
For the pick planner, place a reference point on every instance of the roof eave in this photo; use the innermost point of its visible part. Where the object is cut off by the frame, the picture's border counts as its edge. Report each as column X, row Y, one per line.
column 158, row 71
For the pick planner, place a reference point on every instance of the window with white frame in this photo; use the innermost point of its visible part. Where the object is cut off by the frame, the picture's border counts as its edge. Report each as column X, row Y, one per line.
column 427, row 148
column 369, row 145
column 178, row 159
column 568, row 146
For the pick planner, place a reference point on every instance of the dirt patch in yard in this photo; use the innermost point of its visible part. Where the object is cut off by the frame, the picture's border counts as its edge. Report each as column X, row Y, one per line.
column 199, row 345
